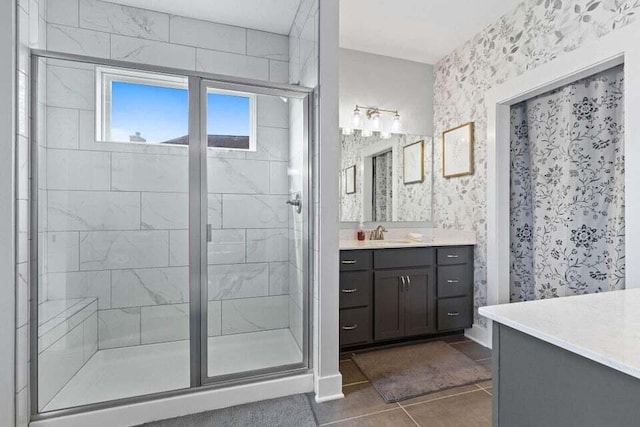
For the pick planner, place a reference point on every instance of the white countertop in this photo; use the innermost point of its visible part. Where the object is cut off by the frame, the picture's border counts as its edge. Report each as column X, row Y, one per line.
column 602, row 327
column 404, row 243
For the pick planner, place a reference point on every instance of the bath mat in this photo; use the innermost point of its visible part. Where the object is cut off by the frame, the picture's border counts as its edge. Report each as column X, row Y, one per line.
column 402, row 373
column 290, row 411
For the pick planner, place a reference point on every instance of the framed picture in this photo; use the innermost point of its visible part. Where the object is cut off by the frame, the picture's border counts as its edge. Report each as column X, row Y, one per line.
column 457, row 151
column 413, row 163
column 350, row 179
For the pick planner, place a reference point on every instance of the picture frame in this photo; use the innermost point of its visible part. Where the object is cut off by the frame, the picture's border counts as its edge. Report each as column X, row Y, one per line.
column 413, row 163
column 350, row 180
column 457, row 151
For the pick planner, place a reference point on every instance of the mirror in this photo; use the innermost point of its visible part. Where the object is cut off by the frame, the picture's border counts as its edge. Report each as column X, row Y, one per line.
column 386, row 179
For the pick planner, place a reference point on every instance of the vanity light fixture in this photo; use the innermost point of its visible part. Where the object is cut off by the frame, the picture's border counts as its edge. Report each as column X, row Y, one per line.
column 375, row 115
column 367, row 133
column 347, row 131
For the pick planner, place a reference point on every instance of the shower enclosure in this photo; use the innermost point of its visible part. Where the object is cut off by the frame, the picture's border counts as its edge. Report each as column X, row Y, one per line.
column 171, row 227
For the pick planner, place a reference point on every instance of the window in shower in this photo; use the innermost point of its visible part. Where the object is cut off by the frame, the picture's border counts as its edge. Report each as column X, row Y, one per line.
column 231, row 120
column 141, row 107
column 151, row 108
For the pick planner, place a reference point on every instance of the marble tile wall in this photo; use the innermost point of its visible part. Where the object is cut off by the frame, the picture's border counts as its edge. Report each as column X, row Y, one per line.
column 117, row 223
column 117, row 214
column 108, row 30
column 303, row 70
column 88, row 202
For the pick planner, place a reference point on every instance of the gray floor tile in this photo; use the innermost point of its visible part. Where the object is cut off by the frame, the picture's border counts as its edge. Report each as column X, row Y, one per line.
column 485, row 384
column 455, row 339
column 350, row 372
column 395, row 418
column 473, row 350
column 486, row 363
column 468, row 410
column 358, row 400
column 439, row 394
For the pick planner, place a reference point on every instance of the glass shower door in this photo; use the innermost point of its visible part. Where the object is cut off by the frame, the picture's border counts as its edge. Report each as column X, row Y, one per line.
column 111, row 191
column 172, row 223
column 257, row 189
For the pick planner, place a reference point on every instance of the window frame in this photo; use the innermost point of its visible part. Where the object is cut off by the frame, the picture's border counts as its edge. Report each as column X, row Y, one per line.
column 105, row 76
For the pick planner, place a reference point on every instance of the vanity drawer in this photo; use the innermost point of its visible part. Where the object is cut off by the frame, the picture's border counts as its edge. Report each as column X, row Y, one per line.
column 355, row 288
column 454, row 281
column 454, row 255
column 454, row 313
column 355, row 326
column 355, row 260
column 401, row 258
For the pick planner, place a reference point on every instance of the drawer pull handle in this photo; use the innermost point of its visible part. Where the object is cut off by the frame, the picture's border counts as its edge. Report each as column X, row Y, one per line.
column 349, row 261
column 453, row 313
column 349, row 291
column 453, row 256
column 408, row 282
column 350, row 328
column 453, row 281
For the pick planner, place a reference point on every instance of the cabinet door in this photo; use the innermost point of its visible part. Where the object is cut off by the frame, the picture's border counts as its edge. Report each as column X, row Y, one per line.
column 420, row 302
column 388, row 305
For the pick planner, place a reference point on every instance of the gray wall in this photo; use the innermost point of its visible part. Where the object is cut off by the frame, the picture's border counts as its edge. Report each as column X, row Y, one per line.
column 384, row 82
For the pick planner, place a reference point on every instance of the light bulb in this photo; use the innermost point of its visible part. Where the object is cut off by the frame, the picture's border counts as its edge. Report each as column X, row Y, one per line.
column 357, row 118
column 347, row 131
column 366, row 133
column 396, row 125
column 375, row 120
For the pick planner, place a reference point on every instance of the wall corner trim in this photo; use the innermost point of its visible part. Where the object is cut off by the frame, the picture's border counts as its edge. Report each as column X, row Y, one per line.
column 329, row 388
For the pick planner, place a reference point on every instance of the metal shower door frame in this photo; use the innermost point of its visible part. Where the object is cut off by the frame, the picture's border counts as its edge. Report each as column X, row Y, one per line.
column 197, row 159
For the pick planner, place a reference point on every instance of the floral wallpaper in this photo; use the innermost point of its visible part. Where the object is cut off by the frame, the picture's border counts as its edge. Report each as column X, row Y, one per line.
column 413, row 202
column 535, row 32
column 567, row 190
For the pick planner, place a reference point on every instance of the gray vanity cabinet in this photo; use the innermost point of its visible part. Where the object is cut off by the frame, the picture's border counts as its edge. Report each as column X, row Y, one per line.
column 403, row 303
column 388, row 305
column 420, row 302
column 392, row 294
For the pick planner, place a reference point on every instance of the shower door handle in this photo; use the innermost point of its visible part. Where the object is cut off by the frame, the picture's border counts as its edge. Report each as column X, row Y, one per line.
column 209, row 233
column 296, row 202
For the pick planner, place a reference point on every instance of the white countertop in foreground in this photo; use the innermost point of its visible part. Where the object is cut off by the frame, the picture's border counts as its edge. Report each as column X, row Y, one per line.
column 403, row 243
column 602, row 327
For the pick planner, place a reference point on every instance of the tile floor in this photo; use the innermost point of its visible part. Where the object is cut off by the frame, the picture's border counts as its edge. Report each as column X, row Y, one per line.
column 468, row 406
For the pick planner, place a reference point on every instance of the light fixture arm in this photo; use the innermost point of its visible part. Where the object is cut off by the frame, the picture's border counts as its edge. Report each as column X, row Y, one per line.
column 373, row 110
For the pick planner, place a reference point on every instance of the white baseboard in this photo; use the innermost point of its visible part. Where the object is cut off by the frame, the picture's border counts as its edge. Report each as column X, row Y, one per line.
column 479, row 334
column 186, row 404
column 329, row 388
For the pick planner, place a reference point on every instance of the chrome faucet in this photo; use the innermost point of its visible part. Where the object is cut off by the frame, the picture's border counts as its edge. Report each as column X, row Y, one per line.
column 378, row 233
